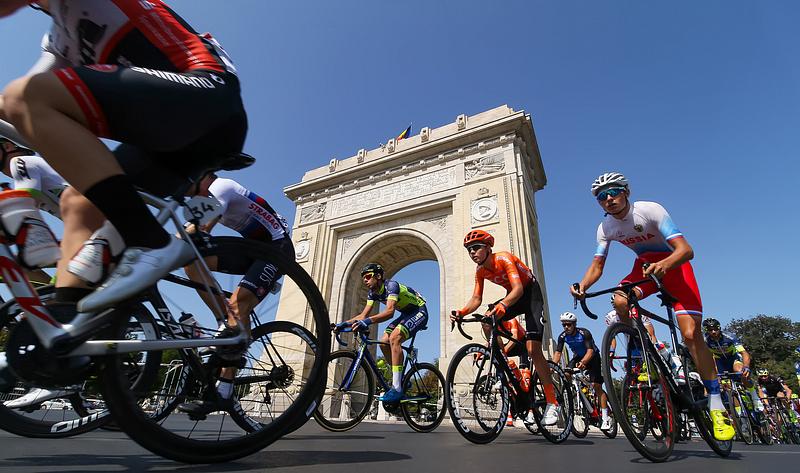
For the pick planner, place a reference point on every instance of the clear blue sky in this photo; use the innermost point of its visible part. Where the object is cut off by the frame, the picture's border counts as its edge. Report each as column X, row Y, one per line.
column 698, row 103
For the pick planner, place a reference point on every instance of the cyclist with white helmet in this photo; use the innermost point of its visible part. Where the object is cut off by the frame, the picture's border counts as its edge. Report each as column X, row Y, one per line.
column 585, row 356
column 648, row 230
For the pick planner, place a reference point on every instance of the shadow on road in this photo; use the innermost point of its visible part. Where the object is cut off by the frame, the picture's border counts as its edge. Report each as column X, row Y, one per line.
column 678, row 455
column 264, row 459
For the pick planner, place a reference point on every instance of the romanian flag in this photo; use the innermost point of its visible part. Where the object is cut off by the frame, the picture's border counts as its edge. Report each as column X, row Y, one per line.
column 404, row 134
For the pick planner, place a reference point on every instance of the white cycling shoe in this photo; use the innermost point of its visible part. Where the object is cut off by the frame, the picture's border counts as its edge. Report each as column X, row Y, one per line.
column 530, row 419
column 606, row 424
column 550, row 415
column 36, row 396
column 138, row 269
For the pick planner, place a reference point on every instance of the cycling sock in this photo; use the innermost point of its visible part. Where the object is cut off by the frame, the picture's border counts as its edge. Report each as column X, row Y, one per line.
column 604, row 412
column 71, row 295
column 120, row 203
column 397, row 373
column 225, row 388
column 714, row 398
column 550, row 394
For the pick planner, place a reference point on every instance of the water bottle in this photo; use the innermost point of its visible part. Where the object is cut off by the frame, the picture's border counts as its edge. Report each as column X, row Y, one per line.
column 516, row 371
column 23, row 224
column 526, row 379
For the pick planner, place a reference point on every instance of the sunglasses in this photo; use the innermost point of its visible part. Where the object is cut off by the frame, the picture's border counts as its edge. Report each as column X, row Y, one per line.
column 567, row 324
column 367, row 276
column 613, row 192
column 472, row 248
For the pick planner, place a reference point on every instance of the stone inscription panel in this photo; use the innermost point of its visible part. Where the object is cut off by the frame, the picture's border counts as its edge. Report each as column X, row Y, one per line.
column 394, row 192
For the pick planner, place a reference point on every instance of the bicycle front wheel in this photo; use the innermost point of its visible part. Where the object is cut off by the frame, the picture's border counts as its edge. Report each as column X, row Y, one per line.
column 580, row 420
column 270, row 392
column 741, row 418
column 638, row 393
column 558, row 432
column 348, row 393
column 423, row 407
column 477, row 395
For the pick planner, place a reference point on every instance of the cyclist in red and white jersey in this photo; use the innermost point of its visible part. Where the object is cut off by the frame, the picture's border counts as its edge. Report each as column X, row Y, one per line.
column 648, row 230
column 135, row 72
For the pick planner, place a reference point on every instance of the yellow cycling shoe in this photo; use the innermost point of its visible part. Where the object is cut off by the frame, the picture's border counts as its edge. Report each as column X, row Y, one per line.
column 723, row 429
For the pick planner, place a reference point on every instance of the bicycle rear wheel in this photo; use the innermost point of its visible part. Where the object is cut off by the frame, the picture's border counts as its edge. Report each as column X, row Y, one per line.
column 246, row 426
column 423, row 408
column 560, row 431
column 477, row 395
column 343, row 408
column 641, row 398
column 702, row 418
column 580, row 420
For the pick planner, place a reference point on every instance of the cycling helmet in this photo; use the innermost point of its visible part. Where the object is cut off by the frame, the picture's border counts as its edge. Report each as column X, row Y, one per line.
column 793, row 396
column 710, row 323
column 478, row 236
column 763, row 372
column 568, row 317
column 609, row 179
column 372, row 268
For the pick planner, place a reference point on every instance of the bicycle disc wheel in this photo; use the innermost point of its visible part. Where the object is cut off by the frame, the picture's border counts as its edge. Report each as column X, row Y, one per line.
column 477, row 396
column 580, row 419
column 244, row 426
column 638, row 393
column 423, row 408
column 559, row 431
column 343, row 408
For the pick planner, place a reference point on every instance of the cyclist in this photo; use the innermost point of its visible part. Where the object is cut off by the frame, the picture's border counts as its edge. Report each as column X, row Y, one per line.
column 774, row 386
column 797, row 364
column 252, row 217
column 524, row 296
column 106, row 69
column 586, row 357
column 730, row 356
column 647, row 229
column 413, row 317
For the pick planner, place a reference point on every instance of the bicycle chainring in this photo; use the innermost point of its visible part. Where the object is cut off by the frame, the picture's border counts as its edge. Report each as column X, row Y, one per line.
column 33, row 363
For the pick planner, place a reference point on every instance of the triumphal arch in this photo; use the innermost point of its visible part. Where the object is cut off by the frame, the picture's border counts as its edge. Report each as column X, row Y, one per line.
column 413, row 200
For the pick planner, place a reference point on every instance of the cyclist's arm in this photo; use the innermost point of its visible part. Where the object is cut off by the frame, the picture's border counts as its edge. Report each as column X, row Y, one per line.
column 515, row 335
column 588, row 342
column 588, row 356
column 514, row 279
column 593, row 273
column 745, row 358
column 387, row 313
column 559, row 347
column 475, row 301
column 364, row 313
column 556, row 357
column 681, row 253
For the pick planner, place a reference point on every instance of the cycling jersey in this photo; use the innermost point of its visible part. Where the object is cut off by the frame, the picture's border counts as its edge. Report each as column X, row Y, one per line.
column 144, row 33
column 647, row 229
column 772, row 385
column 579, row 343
column 504, row 268
column 406, row 298
column 245, row 212
column 614, row 318
column 32, row 173
column 727, row 347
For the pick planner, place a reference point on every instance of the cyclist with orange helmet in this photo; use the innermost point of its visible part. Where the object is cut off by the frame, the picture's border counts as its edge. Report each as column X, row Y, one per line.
column 524, row 296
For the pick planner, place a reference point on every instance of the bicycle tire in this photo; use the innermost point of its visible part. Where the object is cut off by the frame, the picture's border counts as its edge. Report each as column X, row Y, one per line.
column 741, row 420
column 208, row 444
column 702, row 418
column 339, row 411
column 659, row 425
column 430, row 388
column 474, row 383
column 580, row 420
column 566, row 407
column 81, row 419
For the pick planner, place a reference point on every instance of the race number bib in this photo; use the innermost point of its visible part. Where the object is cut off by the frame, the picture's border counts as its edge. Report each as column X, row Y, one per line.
column 203, row 209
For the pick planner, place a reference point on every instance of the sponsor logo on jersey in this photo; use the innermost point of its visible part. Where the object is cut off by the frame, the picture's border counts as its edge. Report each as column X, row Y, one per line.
column 638, row 227
column 193, row 81
column 22, row 169
column 266, row 216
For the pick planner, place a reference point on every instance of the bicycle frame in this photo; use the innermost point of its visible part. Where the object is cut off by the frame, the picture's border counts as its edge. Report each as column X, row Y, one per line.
column 579, row 380
column 73, row 339
column 362, row 354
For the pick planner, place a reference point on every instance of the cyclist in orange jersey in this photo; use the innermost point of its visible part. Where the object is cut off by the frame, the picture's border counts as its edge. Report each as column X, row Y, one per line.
column 524, row 296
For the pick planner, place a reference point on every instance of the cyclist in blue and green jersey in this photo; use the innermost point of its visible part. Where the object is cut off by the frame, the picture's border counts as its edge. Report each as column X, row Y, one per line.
column 730, row 356
column 413, row 317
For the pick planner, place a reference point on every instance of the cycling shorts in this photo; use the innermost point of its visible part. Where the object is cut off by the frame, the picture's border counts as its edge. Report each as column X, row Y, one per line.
column 593, row 369
column 726, row 364
column 259, row 276
column 409, row 322
column 679, row 282
column 184, row 122
column 531, row 304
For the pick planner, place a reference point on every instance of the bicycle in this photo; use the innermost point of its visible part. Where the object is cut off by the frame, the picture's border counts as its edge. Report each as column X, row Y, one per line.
column 587, row 406
column 350, row 387
column 482, row 390
column 640, row 382
column 781, row 422
column 740, row 408
column 46, row 352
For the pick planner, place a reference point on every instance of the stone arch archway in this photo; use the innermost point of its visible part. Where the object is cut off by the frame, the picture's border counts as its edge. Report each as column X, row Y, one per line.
column 414, row 200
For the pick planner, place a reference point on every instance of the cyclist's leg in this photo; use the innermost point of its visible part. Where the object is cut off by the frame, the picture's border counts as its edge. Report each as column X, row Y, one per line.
column 81, row 218
column 407, row 325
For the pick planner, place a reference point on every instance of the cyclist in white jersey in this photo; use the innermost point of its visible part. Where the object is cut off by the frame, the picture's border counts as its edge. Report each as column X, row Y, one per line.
column 252, row 217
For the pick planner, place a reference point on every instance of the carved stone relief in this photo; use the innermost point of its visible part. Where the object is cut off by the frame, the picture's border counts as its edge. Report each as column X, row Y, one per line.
column 301, row 250
column 312, row 213
column 484, row 210
column 486, row 165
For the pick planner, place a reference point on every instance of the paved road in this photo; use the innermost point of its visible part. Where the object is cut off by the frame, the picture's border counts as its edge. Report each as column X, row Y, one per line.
column 388, row 448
